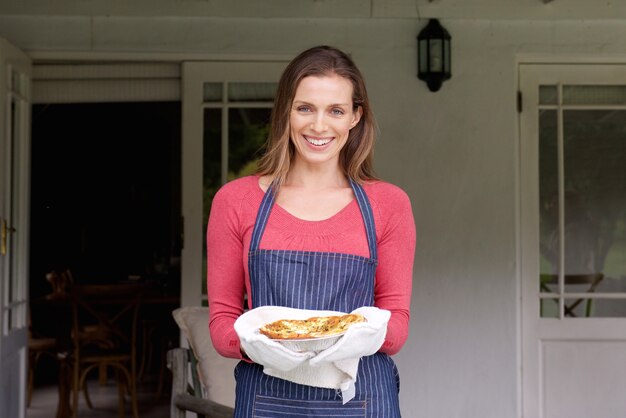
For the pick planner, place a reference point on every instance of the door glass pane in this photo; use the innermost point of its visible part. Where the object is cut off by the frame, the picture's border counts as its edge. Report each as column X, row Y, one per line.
column 248, row 92
column 211, row 162
column 597, row 95
column 247, row 130
column 212, row 92
column 592, row 194
column 548, row 194
column 595, row 201
column 547, row 95
column 211, row 170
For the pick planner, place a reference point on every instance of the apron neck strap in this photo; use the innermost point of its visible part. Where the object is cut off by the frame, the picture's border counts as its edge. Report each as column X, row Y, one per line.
column 364, row 205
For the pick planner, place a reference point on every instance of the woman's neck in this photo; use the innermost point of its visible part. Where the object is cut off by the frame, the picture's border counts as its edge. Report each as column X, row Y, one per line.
column 316, row 177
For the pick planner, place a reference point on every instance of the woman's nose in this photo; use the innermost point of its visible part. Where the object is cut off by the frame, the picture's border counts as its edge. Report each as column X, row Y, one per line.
column 319, row 124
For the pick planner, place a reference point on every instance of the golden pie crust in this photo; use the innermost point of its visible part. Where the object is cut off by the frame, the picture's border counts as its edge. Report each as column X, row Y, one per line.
column 314, row 327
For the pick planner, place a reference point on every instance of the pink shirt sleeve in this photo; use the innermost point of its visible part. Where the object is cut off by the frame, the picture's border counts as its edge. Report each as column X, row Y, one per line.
column 394, row 275
column 225, row 271
column 232, row 217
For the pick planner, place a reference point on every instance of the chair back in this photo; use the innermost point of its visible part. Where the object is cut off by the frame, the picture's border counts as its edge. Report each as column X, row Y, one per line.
column 590, row 282
column 574, row 279
column 105, row 317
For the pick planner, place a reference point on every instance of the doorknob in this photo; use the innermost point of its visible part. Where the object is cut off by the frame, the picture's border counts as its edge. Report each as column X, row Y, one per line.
column 3, row 245
column 4, row 235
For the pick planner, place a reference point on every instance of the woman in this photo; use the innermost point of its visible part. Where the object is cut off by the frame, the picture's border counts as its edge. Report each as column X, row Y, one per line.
column 314, row 202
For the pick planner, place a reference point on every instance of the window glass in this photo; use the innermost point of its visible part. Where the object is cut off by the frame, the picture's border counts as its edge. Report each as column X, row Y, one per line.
column 212, row 92
column 583, row 214
column 547, row 95
column 249, row 92
column 234, row 136
column 594, row 95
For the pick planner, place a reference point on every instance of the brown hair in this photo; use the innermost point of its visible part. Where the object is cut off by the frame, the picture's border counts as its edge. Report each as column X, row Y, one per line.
column 356, row 156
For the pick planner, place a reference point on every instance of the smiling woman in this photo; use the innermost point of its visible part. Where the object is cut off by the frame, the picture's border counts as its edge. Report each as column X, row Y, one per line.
column 313, row 230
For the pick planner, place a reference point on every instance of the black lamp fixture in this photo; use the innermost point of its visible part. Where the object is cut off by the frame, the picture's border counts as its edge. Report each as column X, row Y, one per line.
column 433, row 55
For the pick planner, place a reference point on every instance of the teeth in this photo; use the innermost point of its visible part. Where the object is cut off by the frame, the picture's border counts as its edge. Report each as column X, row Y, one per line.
column 318, row 142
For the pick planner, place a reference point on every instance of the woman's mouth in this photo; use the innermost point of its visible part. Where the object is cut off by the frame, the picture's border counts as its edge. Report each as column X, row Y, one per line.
column 318, row 142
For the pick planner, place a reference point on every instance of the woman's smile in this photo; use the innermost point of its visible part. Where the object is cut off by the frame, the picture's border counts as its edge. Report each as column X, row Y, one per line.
column 318, row 142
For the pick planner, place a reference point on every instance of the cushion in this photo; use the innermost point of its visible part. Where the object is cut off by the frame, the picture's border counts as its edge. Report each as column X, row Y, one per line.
column 215, row 371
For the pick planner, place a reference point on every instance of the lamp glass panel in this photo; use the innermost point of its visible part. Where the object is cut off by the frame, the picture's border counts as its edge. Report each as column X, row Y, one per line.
column 435, row 51
column 447, row 56
column 423, row 56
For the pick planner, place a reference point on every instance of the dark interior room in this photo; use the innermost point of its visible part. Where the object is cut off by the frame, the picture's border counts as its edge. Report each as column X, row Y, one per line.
column 105, row 199
column 106, row 206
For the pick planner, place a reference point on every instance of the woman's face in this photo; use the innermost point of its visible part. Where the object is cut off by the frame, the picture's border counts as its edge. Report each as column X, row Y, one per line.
column 321, row 118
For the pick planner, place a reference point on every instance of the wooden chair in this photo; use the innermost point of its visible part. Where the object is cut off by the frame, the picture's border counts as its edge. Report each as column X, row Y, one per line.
column 38, row 346
column 187, row 390
column 61, row 281
column 104, row 336
column 589, row 281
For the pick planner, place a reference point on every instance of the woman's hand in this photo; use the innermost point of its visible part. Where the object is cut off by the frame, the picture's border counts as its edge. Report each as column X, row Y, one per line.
column 362, row 339
column 269, row 353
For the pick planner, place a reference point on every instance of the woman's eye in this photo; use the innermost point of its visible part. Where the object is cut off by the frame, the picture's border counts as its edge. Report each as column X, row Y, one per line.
column 304, row 109
column 337, row 112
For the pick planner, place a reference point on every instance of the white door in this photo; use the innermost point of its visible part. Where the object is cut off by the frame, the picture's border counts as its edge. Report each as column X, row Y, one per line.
column 14, row 213
column 573, row 240
column 226, row 108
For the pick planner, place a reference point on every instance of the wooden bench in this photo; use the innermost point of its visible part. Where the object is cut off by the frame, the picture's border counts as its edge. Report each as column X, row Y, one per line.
column 187, row 390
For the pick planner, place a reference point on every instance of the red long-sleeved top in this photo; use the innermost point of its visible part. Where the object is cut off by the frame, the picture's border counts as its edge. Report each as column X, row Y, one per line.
column 231, row 222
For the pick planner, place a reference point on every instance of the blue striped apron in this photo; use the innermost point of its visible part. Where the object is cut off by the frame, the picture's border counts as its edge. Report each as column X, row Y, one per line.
column 322, row 281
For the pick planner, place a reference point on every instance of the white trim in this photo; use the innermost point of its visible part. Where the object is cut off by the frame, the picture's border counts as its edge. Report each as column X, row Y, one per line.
column 92, row 56
column 132, row 76
column 101, row 91
column 14, row 209
column 568, row 59
column 518, row 255
column 106, row 71
column 106, row 82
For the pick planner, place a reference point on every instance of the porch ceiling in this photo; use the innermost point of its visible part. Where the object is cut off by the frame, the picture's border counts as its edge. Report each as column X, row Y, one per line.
column 341, row 9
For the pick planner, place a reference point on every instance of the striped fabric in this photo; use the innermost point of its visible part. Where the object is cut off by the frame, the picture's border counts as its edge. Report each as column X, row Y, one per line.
column 324, row 281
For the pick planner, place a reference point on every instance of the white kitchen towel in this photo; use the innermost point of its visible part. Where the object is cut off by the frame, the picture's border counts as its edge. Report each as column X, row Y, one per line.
column 333, row 368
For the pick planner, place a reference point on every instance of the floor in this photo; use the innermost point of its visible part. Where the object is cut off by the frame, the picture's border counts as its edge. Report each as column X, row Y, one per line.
column 104, row 398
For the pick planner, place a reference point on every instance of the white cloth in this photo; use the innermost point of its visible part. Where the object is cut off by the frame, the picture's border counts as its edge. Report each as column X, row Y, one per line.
column 333, row 368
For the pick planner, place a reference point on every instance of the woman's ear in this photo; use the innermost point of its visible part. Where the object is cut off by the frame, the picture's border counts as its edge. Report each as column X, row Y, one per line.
column 356, row 117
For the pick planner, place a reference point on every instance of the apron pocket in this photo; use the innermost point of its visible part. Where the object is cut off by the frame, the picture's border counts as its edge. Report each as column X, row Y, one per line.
column 268, row 406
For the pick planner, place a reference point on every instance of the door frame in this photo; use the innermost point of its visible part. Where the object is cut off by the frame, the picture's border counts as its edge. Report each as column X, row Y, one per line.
column 46, row 57
column 534, row 330
column 14, row 210
column 192, row 235
column 194, row 74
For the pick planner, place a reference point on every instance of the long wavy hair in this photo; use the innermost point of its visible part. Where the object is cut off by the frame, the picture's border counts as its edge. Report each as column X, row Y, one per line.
column 356, row 157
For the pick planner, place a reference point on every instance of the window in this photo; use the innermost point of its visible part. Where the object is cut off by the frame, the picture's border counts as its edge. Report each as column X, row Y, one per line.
column 582, row 200
column 236, row 123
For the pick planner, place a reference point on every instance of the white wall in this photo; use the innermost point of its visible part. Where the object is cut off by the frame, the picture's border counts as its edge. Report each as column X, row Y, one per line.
column 454, row 152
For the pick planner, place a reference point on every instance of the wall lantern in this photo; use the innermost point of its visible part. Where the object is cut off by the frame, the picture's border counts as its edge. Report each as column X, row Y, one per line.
column 433, row 55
